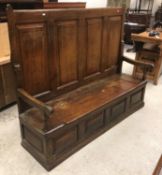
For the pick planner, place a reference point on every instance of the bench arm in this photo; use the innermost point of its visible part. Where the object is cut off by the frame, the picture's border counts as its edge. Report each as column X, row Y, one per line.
column 145, row 66
column 29, row 99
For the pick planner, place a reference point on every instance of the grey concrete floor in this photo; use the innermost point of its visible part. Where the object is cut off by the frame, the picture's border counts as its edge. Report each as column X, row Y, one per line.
column 132, row 147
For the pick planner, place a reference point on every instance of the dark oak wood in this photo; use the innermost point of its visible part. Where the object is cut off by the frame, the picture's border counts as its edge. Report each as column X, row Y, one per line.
column 68, row 64
column 54, row 5
column 7, row 85
column 7, row 90
column 2, row 96
column 29, row 99
column 158, row 169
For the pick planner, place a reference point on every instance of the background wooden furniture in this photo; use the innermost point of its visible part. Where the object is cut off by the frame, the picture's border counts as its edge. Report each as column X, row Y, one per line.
column 131, row 27
column 158, row 14
column 153, row 56
column 158, row 169
column 18, row 4
column 140, row 15
column 70, row 85
column 7, row 83
column 139, row 18
column 4, row 40
column 142, row 6
column 135, row 23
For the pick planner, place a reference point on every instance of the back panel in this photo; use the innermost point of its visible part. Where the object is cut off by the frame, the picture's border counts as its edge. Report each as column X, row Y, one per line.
column 59, row 50
column 32, row 52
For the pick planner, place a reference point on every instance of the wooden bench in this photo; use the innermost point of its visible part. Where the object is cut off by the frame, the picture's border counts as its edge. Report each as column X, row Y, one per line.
column 69, row 82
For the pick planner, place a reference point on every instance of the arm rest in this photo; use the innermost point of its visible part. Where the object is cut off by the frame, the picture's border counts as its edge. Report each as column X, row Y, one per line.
column 138, row 63
column 145, row 66
column 29, row 99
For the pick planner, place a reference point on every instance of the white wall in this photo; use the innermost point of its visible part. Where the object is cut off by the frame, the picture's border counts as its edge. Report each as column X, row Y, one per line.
column 103, row 3
column 96, row 3
column 89, row 3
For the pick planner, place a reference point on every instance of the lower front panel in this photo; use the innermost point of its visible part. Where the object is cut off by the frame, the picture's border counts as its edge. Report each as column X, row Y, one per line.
column 52, row 149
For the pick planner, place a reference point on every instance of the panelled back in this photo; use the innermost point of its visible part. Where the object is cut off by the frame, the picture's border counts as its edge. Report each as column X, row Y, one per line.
column 59, row 50
column 66, row 48
column 31, row 44
column 114, row 32
column 93, row 46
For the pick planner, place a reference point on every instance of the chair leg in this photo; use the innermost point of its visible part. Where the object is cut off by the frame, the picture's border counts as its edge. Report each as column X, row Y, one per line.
column 158, row 68
column 135, row 72
column 155, row 81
